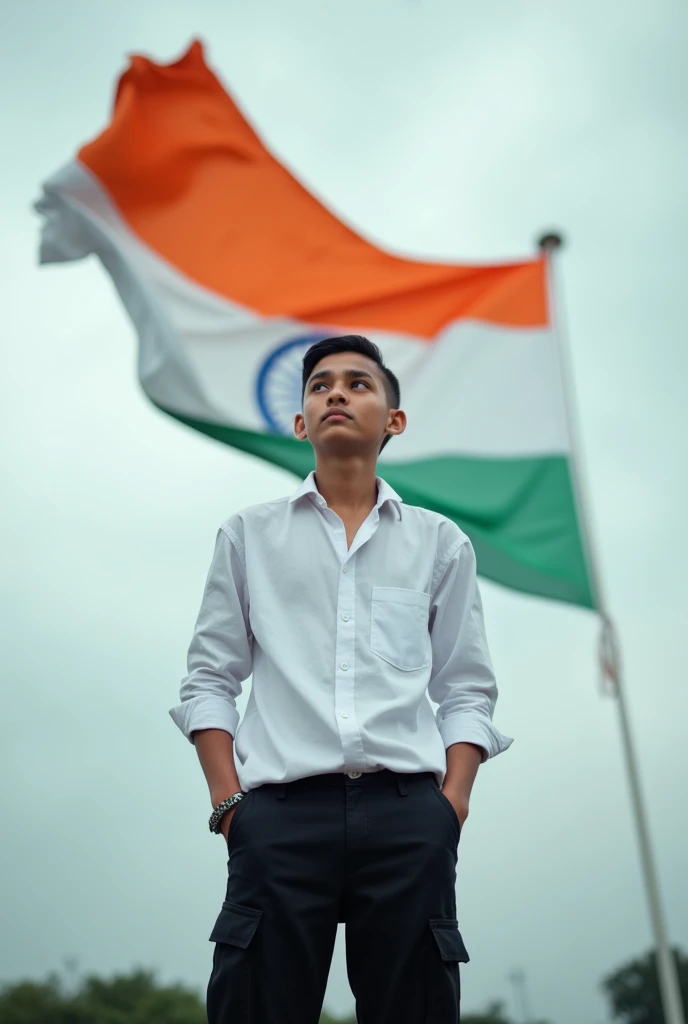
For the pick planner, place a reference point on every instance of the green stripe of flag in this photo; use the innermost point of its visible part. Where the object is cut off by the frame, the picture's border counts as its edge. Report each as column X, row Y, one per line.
column 519, row 513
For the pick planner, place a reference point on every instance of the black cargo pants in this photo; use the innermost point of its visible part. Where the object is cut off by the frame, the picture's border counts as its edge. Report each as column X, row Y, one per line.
column 376, row 851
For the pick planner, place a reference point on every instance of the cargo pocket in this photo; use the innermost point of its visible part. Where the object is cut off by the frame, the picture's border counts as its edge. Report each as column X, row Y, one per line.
column 446, row 952
column 232, row 986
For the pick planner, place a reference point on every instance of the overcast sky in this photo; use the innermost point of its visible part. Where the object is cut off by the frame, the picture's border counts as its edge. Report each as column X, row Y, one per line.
column 439, row 129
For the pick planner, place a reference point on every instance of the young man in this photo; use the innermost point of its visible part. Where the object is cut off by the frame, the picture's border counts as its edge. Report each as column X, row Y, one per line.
column 348, row 608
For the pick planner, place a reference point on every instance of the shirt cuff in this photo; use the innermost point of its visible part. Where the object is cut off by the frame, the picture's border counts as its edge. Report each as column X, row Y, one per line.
column 472, row 729
column 209, row 712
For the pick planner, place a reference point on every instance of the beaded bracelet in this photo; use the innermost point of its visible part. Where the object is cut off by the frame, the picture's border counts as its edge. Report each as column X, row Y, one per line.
column 221, row 809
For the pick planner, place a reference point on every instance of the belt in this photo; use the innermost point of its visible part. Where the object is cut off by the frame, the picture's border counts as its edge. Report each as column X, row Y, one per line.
column 382, row 777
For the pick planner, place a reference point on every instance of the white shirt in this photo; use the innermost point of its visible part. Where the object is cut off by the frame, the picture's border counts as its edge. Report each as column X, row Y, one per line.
column 345, row 644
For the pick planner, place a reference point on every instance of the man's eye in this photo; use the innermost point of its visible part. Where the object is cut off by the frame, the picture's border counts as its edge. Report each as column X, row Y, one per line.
column 361, row 382
column 316, row 386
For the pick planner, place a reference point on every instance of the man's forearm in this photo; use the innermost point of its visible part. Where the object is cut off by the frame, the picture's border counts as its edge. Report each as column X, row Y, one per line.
column 463, row 761
column 215, row 749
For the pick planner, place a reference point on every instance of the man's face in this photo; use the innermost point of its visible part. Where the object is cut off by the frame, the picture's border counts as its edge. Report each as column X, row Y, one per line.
column 345, row 405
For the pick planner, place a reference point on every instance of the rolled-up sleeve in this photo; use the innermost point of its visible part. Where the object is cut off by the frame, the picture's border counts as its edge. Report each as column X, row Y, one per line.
column 462, row 682
column 220, row 653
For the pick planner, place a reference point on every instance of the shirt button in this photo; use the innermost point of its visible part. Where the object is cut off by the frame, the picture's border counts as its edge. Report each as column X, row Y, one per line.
column 344, row 714
column 345, row 617
column 345, row 569
column 345, row 667
column 354, row 775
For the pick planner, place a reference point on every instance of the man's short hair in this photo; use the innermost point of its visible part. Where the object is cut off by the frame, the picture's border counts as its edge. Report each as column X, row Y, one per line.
column 352, row 343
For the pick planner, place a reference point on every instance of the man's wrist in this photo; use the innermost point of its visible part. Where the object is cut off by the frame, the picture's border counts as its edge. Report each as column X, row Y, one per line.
column 459, row 795
column 456, row 789
column 459, row 800
column 221, row 793
column 463, row 761
column 222, row 809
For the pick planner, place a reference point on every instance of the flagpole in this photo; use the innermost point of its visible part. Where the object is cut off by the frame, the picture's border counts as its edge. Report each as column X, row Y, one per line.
column 610, row 660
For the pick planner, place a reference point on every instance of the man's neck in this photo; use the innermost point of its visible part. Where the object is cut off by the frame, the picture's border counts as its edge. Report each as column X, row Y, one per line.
column 347, row 485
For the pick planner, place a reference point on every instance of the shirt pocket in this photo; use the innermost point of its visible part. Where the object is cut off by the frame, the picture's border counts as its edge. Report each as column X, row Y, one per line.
column 399, row 631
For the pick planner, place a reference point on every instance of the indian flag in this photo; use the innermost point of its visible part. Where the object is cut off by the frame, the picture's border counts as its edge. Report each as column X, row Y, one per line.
column 230, row 269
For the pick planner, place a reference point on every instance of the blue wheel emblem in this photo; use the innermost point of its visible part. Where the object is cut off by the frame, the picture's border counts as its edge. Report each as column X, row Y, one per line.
column 278, row 384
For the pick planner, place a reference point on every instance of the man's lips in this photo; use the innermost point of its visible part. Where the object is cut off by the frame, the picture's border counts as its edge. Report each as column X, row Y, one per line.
column 336, row 414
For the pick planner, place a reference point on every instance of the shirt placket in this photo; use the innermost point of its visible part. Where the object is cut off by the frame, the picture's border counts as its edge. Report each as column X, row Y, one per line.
column 345, row 668
column 345, row 647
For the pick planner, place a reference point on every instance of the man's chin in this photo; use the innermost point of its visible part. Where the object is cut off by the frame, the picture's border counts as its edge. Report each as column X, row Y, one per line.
column 342, row 442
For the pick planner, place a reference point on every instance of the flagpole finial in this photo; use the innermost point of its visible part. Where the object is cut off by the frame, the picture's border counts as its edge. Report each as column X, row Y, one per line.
column 550, row 241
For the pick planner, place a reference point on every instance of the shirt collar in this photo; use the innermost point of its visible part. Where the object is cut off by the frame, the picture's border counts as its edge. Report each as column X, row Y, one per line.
column 385, row 493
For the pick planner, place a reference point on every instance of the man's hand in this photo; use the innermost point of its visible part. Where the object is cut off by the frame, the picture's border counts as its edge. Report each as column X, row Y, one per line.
column 215, row 749
column 459, row 802
column 227, row 820
column 463, row 761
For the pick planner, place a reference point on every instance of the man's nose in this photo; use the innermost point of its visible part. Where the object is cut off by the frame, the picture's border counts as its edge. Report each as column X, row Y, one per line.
column 337, row 394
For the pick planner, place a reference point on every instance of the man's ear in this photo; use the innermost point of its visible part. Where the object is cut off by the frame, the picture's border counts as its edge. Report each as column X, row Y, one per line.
column 396, row 423
column 300, row 427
